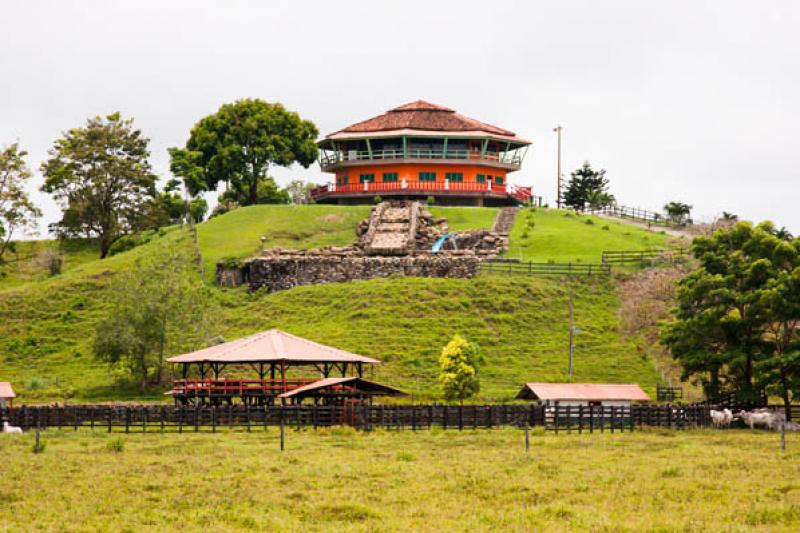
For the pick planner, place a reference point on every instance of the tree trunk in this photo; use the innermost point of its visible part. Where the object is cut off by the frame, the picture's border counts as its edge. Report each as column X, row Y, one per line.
column 787, row 407
column 253, row 192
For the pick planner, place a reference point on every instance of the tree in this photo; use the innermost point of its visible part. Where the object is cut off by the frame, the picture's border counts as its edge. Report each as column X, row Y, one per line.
column 17, row 212
column 599, row 199
column 678, row 212
column 736, row 323
column 585, row 184
column 267, row 192
column 159, row 308
column 459, row 369
column 300, row 191
column 238, row 143
column 101, row 176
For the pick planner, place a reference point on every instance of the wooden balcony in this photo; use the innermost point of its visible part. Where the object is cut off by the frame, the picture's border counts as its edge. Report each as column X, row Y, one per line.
column 331, row 160
column 503, row 193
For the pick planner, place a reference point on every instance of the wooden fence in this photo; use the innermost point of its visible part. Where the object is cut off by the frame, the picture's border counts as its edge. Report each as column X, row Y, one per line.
column 146, row 418
column 643, row 256
column 539, row 269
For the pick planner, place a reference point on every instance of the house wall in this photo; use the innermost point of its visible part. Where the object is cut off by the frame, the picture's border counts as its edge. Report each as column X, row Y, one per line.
column 410, row 172
column 575, row 403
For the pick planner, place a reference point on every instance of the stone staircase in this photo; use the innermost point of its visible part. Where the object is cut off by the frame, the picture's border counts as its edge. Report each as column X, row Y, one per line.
column 505, row 220
column 391, row 227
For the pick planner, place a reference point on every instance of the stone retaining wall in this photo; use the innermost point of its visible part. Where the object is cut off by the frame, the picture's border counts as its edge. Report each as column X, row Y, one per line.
column 284, row 272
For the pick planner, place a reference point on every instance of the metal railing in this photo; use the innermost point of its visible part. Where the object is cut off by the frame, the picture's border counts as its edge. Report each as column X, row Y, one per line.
column 368, row 187
column 417, row 153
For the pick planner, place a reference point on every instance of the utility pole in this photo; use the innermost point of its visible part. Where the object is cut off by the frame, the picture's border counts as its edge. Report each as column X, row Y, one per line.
column 558, row 129
column 571, row 335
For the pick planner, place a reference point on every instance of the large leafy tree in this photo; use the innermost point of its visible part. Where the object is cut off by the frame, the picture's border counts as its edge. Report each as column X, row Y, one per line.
column 237, row 145
column 159, row 308
column 101, row 176
column 459, row 363
column 678, row 212
column 587, row 186
column 737, row 314
column 17, row 212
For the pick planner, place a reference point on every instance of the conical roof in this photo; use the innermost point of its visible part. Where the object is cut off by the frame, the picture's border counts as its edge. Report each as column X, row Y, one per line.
column 423, row 116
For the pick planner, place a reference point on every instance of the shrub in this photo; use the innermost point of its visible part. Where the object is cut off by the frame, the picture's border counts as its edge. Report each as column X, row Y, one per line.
column 405, row 456
column 589, row 222
column 605, row 228
column 116, row 445
column 377, row 199
column 231, row 263
column 36, row 384
column 524, row 234
column 430, row 201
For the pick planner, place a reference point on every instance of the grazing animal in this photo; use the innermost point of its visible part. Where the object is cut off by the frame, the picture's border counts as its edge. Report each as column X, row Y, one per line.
column 760, row 418
column 722, row 418
column 8, row 428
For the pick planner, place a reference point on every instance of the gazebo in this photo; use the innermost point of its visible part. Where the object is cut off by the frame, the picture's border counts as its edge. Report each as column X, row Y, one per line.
column 278, row 358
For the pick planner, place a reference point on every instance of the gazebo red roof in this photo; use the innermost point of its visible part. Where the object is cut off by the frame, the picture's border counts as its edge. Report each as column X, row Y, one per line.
column 424, row 116
column 354, row 382
column 273, row 345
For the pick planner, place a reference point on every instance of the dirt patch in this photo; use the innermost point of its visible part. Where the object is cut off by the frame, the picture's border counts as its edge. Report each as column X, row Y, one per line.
column 332, row 217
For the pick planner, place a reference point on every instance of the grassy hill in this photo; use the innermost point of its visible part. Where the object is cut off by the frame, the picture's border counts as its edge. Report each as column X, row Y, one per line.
column 46, row 324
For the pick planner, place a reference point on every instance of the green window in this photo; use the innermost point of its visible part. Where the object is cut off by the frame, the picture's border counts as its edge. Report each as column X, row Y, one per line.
column 343, row 180
column 389, row 177
column 366, row 177
column 480, row 178
column 498, row 180
column 454, row 176
column 427, row 176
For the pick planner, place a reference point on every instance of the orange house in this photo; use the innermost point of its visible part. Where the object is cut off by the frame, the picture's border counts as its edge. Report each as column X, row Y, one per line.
column 419, row 150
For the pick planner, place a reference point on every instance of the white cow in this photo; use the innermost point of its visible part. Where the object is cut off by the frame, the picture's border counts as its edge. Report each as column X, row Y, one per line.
column 722, row 418
column 8, row 428
column 762, row 417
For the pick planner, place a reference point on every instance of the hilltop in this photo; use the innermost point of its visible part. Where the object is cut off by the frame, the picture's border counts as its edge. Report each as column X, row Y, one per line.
column 46, row 323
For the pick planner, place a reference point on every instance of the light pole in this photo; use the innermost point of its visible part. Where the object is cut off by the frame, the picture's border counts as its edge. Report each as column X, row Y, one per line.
column 558, row 129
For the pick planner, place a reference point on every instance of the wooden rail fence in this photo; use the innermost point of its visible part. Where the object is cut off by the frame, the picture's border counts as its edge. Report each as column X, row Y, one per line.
column 539, row 269
column 643, row 256
column 147, row 418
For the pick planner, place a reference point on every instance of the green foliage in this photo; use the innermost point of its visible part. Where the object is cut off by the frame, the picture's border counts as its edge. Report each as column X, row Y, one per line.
column 459, row 369
column 115, row 445
column 736, row 326
column 17, row 212
column 237, row 144
column 678, row 212
column 377, row 199
column 267, row 192
column 299, row 191
column 101, row 176
column 159, row 309
column 587, row 187
column 430, row 200
column 198, row 207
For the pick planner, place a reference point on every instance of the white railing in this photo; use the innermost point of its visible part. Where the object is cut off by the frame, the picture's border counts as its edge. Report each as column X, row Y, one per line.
column 415, row 153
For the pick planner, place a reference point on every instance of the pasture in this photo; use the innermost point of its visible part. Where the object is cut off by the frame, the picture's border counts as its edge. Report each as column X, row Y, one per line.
column 341, row 480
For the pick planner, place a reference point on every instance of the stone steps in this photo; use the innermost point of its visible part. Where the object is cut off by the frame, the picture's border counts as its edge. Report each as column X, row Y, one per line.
column 390, row 229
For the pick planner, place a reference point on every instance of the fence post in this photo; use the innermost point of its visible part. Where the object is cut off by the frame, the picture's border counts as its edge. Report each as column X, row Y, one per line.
column 213, row 419
column 282, row 429
column 527, row 437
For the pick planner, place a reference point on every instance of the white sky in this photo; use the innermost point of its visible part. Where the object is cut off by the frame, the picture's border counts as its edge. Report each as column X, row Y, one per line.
column 694, row 101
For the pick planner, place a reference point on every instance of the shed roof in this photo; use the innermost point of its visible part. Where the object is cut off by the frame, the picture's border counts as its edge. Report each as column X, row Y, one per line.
column 425, row 117
column 6, row 391
column 360, row 384
column 272, row 345
column 583, row 391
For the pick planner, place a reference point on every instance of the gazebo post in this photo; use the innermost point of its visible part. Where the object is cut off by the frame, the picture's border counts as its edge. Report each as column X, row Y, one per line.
column 344, row 370
column 359, row 368
column 283, row 375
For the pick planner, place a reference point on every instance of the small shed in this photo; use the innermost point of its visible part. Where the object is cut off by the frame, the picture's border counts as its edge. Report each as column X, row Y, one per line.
column 608, row 394
column 7, row 394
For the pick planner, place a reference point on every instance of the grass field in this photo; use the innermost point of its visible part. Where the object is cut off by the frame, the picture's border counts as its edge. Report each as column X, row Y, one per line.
column 340, row 480
column 466, row 218
column 562, row 236
column 47, row 324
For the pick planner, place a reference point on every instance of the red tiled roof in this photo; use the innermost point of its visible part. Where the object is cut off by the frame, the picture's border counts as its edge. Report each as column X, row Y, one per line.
column 6, row 391
column 583, row 391
column 357, row 383
column 421, row 115
column 271, row 346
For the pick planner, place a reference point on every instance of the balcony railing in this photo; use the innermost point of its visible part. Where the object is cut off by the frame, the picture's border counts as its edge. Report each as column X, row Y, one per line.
column 390, row 154
column 522, row 194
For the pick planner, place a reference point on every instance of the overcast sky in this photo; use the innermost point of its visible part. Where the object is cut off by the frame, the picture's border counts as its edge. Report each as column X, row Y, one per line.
column 692, row 101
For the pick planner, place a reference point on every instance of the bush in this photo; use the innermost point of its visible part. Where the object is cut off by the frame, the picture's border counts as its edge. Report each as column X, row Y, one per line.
column 231, row 263
column 377, row 199
column 605, row 228
column 430, row 201
column 116, row 445
column 36, row 384
column 589, row 222
column 524, row 234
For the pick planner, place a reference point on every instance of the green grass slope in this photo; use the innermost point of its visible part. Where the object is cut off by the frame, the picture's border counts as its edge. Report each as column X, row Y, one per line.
column 562, row 236
column 46, row 325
